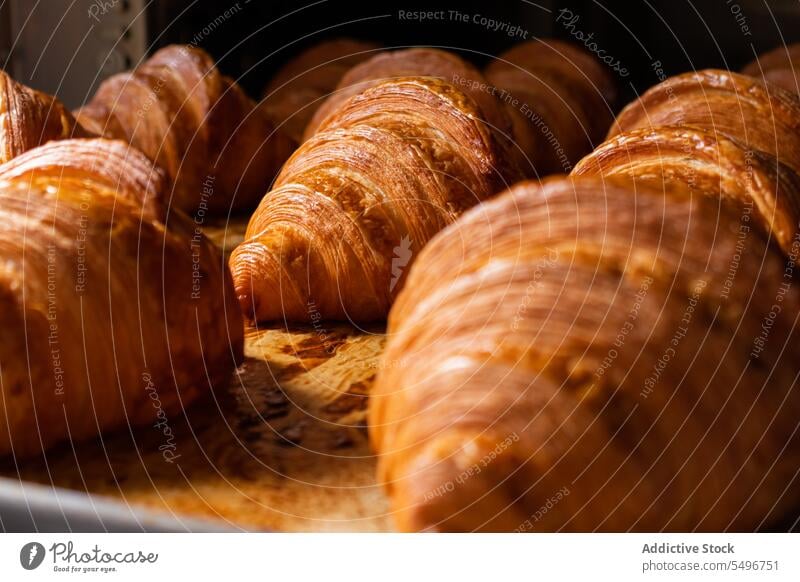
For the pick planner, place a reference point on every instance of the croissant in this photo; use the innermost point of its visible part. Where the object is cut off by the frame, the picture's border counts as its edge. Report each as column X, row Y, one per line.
column 352, row 207
column 777, row 67
column 762, row 117
column 706, row 163
column 300, row 86
column 416, row 62
column 577, row 355
column 220, row 151
column 112, row 164
column 29, row 118
column 100, row 334
column 560, row 100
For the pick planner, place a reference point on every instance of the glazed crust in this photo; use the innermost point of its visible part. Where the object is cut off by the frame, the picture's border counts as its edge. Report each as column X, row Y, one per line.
column 302, row 84
column 563, row 102
column 416, row 62
column 112, row 164
column 116, row 312
column 762, row 117
column 580, row 346
column 353, row 206
column 197, row 124
column 706, row 163
column 29, row 118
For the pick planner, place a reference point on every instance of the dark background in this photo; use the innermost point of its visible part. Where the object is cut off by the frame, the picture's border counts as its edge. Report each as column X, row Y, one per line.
column 681, row 34
column 59, row 47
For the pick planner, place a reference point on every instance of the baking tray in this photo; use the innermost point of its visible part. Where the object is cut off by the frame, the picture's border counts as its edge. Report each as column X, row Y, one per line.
column 284, row 447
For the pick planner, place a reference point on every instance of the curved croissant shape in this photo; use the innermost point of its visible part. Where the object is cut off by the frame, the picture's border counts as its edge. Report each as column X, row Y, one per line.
column 551, row 56
column 777, row 67
column 709, row 163
column 29, row 118
column 762, row 117
column 112, row 164
column 576, row 356
column 353, row 206
column 416, row 62
column 560, row 100
column 300, row 86
column 113, row 316
column 219, row 149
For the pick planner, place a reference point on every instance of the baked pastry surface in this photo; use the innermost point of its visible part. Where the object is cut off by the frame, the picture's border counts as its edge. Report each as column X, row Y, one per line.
column 116, row 312
column 760, row 116
column 707, row 163
column 561, row 101
column 220, row 150
column 29, row 118
column 353, row 206
column 301, row 85
column 576, row 356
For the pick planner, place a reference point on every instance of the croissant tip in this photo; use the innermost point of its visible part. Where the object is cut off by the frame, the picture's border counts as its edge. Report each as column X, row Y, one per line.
column 248, row 303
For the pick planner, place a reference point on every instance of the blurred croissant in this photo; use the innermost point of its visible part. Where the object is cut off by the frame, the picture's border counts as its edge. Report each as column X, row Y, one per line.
column 560, row 99
column 578, row 356
column 353, row 206
column 29, row 118
column 300, row 86
column 220, row 151
column 777, row 67
column 117, row 312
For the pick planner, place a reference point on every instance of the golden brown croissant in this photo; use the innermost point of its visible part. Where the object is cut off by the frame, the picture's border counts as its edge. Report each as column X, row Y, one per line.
column 777, row 66
column 300, row 86
column 111, row 163
column 29, row 118
column 560, row 99
column 114, row 316
column 578, row 356
column 762, row 117
column 706, row 163
column 353, row 206
column 416, row 62
column 220, row 150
